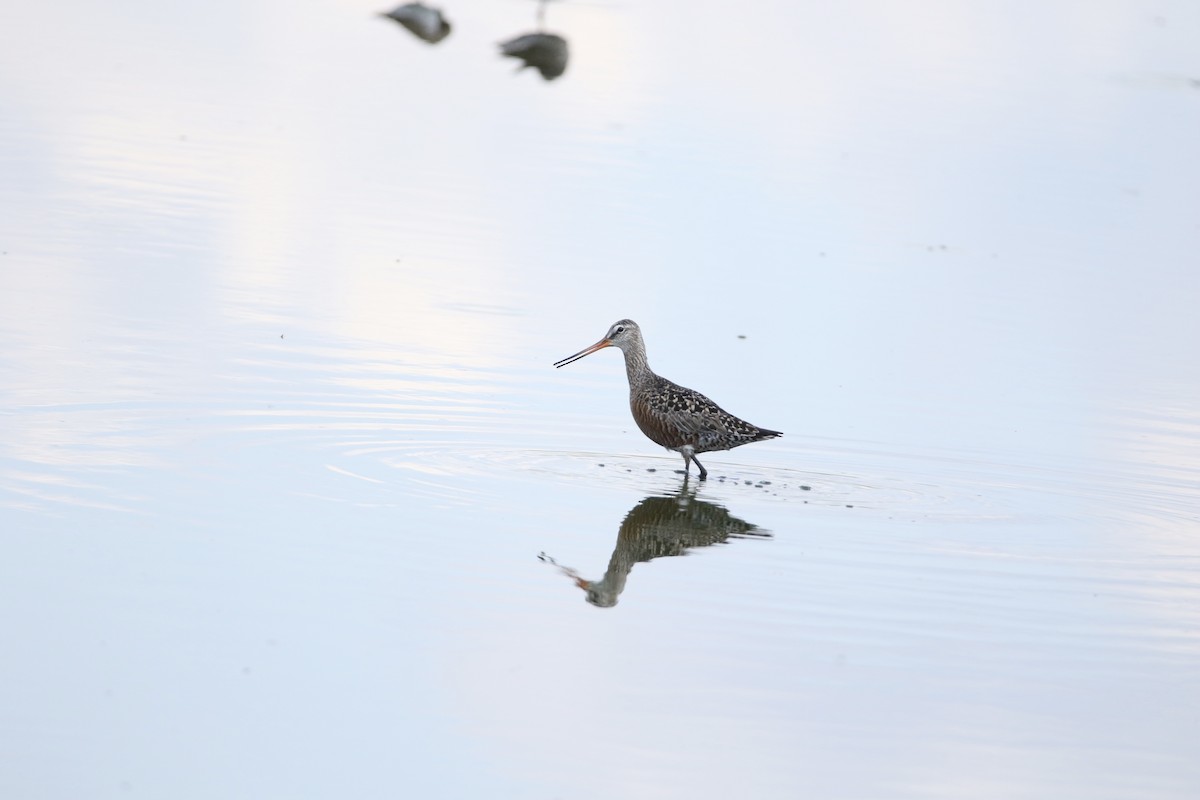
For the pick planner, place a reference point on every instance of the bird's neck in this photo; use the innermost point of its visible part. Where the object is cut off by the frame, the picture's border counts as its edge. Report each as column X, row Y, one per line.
column 636, row 367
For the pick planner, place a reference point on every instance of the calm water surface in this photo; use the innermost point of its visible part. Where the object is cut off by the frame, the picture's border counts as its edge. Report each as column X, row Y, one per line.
column 293, row 504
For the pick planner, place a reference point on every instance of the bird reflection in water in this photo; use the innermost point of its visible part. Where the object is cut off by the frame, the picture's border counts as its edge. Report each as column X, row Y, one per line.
column 545, row 52
column 656, row 527
column 426, row 23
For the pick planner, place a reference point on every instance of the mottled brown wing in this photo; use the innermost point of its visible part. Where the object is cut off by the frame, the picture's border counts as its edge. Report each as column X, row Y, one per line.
column 684, row 416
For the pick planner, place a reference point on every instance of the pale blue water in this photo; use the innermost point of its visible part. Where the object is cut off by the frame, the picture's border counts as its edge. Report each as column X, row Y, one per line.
column 280, row 442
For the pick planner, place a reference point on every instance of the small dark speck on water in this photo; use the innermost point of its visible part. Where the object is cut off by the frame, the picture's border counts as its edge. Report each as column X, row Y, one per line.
column 806, row 488
column 741, row 336
column 600, row 465
column 748, row 483
column 766, row 483
column 651, row 469
column 629, row 470
column 849, row 506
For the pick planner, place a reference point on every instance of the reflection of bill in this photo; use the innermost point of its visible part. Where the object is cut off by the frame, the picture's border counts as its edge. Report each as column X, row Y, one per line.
column 656, row 527
column 426, row 23
column 545, row 52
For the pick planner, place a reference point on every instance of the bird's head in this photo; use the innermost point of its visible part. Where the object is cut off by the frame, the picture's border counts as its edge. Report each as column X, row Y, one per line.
column 622, row 334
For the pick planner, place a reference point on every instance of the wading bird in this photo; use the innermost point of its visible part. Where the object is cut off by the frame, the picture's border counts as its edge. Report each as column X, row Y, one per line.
column 671, row 415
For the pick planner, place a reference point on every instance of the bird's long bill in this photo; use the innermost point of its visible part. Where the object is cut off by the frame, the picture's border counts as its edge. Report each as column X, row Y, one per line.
column 587, row 351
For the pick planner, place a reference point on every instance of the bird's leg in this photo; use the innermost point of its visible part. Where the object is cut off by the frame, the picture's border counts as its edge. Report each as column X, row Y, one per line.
column 689, row 458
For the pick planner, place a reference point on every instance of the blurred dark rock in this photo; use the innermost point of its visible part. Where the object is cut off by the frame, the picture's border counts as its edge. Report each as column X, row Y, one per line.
column 545, row 52
column 426, row 23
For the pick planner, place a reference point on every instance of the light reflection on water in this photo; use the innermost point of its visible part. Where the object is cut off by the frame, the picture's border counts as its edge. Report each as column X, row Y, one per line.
column 280, row 287
column 970, row 587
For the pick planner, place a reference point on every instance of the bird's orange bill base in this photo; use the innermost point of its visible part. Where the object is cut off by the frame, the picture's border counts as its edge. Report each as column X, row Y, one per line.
column 600, row 345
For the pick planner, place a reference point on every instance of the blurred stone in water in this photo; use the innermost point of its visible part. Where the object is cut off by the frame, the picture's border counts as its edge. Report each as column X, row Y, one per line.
column 545, row 52
column 426, row 23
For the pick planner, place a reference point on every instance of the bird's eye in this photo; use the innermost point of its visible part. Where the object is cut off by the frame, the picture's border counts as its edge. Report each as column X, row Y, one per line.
column 619, row 329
